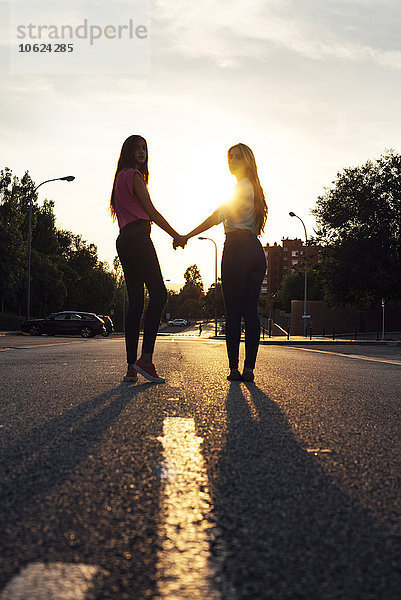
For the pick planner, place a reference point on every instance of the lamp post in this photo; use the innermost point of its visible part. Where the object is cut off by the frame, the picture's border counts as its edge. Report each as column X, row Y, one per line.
column 304, row 316
column 28, row 291
column 215, row 281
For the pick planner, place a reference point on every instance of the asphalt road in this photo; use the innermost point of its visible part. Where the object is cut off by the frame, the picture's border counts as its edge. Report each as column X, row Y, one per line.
column 285, row 489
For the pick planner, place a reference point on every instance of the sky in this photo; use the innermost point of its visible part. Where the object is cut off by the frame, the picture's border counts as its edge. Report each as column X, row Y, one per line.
column 311, row 86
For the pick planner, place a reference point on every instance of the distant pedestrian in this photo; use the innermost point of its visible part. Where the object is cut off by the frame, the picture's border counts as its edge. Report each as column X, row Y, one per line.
column 243, row 264
column 131, row 205
column 200, row 329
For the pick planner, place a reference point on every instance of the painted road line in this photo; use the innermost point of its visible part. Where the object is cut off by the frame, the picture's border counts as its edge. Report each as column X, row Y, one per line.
column 191, row 339
column 54, row 344
column 354, row 356
column 51, row 581
column 184, row 566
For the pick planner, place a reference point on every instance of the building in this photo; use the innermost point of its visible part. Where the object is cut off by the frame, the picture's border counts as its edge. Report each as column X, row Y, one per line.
column 281, row 260
column 274, row 269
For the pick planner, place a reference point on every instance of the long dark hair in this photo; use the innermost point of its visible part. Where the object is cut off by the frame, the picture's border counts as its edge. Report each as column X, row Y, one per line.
column 261, row 209
column 127, row 161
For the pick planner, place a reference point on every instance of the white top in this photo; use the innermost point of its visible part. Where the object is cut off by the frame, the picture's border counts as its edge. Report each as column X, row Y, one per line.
column 239, row 213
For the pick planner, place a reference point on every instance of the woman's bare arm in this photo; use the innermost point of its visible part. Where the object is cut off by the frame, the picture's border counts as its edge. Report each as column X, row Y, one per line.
column 212, row 220
column 141, row 192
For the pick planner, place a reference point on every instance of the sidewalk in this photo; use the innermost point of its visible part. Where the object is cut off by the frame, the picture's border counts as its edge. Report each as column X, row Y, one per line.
column 328, row 340
column 319, row 340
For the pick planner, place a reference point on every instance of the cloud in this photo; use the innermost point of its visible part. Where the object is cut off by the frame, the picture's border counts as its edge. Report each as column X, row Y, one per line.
column 230, row 31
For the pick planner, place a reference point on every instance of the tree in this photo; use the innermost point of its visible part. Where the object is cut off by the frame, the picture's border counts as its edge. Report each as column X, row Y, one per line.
column 188, row 303
column 359, row 225
column 191, row 295
column 48, row 290
column 66, row 271
column 48, row 284
column 120, row 296
column 172, row 307
column 191, row 308
column 94, row 285
column 292, row 288
column 13, row 242
column 209, row 300
column 193, row 277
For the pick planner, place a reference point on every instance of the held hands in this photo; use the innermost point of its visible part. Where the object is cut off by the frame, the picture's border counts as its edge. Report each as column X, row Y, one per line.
column 180, row 241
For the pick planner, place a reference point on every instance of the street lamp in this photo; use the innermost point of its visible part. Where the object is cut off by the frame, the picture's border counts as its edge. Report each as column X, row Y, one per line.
column 215, row 282
column 304, row 316
column 28, row 291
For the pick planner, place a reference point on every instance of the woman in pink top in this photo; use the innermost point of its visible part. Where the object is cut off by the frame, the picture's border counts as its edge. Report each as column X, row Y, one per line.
column 131, row 205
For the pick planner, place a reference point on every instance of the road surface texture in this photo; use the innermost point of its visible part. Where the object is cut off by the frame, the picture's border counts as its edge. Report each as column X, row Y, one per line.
column 199, row 489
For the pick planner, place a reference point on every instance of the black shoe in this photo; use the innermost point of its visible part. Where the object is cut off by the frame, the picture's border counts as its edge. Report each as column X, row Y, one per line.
column 248, row 375
column 235, row 375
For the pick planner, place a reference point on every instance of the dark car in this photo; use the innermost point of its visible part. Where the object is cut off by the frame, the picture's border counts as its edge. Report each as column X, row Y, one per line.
column 108, row 323
column 68, row 322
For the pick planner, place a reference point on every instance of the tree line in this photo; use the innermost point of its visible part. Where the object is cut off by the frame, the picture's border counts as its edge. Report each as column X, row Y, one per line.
column 359, row 234
column 192, row 302
column 66, row 270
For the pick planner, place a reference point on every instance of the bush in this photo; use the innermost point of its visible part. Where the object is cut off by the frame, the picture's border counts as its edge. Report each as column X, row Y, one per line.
column 10, row 322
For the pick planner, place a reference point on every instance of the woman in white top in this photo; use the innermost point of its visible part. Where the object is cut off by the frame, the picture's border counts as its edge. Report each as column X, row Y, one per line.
column 243, row 264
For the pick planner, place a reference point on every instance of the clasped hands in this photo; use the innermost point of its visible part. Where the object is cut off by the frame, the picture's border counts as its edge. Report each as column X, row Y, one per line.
column 180, row 241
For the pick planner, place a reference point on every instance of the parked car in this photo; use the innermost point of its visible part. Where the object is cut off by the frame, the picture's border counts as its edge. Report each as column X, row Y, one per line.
column 178, row 322
column 68, row 322
column 108, row 323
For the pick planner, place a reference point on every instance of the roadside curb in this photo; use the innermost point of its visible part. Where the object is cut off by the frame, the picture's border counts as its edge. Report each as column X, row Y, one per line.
column 307, row 342
column 269, row 342
column 2, row 333
column 332, row 343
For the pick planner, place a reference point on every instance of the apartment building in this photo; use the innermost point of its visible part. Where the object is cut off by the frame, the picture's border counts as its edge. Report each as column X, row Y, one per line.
column 282, row 259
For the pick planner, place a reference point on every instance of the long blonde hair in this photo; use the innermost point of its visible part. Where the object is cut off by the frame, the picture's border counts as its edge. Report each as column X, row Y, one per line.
column 261, row 209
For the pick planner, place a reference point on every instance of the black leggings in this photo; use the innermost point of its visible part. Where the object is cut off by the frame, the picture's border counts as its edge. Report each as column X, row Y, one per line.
column 243, row 268
column 140, row 265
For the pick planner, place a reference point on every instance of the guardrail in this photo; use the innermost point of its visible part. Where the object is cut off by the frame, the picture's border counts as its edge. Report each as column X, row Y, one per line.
column 269, row 329
column 331, row 333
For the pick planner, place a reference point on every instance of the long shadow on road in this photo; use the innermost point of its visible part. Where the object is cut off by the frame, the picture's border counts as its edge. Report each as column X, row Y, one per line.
column 42, row 459
column 289, row 531
column 38, row 514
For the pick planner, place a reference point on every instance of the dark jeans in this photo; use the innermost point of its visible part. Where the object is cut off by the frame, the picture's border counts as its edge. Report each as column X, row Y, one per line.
column 140, row 265
column 243, row 268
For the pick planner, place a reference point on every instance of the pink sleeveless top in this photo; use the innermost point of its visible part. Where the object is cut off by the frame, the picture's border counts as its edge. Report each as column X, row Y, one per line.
column 126, row 204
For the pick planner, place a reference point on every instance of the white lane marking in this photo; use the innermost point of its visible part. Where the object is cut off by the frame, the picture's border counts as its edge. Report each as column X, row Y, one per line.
column 184, row 568
column 45, row 345
column 52, row 581
column 190, row 339
column 355, row 356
